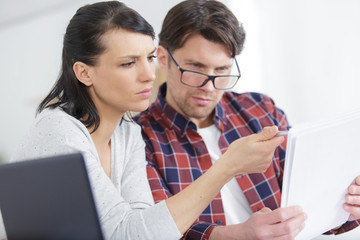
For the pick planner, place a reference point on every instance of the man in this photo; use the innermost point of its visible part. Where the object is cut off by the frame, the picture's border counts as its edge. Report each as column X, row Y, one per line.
column 194, row 119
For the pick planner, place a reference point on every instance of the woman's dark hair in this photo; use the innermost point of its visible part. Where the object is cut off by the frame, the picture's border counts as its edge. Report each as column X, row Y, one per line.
column 212, row 19
column 82, row 42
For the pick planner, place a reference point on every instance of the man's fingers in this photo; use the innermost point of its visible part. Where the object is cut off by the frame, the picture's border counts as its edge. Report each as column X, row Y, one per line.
column 292, row 226
column 354, row 189
column 354, row 211
column 283, row 214
column 265, row 210
column 281, row 223
column 357, row 181
column 267, row 133
column 352, row 199
column 292, row 234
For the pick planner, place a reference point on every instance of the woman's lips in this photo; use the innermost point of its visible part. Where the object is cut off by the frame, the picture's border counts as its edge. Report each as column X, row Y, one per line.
column 145, row 93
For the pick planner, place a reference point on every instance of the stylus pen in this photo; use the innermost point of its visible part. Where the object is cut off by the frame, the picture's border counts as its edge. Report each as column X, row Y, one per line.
column 282, row 133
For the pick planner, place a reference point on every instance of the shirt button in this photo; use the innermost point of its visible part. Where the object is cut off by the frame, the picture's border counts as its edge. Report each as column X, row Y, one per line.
column 200, row 149
column 219, row 222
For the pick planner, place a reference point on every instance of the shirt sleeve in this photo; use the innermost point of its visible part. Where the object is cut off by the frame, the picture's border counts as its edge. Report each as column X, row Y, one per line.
column 160, row 191
column 349, row 225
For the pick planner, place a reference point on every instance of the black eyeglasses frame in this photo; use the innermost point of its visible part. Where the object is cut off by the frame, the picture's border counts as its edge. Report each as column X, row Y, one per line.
column 209, row 77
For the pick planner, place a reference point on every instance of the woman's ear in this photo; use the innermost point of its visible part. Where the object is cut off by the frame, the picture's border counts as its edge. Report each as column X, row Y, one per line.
column 81, row 71
column 162, row 57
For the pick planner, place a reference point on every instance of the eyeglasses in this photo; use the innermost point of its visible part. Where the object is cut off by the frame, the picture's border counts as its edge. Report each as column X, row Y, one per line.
column 197, row 79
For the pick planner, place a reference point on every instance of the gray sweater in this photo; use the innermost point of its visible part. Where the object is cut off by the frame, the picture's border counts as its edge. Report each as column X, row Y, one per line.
column 124, row 202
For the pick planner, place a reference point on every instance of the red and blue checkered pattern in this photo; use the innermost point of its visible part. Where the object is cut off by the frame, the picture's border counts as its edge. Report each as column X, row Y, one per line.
column 177, row 155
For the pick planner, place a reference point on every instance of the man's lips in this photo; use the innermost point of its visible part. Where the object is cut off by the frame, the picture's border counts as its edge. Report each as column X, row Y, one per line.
column 202, row 100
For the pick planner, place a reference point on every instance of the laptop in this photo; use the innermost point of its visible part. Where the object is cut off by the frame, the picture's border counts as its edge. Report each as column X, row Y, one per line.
column 48, row 198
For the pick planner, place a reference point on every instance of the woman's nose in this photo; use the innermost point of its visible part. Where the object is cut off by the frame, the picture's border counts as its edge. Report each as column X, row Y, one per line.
column 148, row 72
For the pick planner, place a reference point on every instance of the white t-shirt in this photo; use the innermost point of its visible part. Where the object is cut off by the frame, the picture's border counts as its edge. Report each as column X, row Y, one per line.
column 236, row 206
column 124, row 203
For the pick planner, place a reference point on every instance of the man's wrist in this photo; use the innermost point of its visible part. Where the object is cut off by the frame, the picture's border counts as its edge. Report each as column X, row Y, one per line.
column 235, row 231
column 216, row 233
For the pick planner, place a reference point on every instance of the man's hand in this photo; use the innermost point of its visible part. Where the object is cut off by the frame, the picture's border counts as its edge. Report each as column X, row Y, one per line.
column 253, row 153
column 352, row 199
column 280, row 224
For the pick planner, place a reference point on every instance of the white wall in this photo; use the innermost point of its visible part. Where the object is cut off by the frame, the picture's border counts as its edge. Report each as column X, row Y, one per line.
column 31, row 35
column 304, row 54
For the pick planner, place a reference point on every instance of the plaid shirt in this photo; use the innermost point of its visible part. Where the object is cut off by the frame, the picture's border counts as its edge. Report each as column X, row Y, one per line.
column 177, row 155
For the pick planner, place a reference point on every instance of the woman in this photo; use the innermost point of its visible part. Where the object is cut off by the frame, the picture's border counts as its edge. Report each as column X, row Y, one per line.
column 108, row 69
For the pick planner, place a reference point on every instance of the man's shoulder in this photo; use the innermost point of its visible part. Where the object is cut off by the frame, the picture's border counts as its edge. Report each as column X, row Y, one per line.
column 148, row 117
column 247, row 100
column 246, row 96
column 143, row 116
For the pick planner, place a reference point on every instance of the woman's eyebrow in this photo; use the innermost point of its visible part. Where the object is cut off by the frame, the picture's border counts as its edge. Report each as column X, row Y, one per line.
column 153, row 51
column 136, row 56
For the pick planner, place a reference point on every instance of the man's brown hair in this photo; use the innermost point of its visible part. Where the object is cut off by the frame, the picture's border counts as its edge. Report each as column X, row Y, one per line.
column 211, row 19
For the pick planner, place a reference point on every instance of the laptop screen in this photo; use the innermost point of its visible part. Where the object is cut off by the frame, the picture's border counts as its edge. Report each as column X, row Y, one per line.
column 48, row 198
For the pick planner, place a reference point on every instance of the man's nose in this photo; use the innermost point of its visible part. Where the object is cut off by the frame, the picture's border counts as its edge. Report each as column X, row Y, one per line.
column 209, row 85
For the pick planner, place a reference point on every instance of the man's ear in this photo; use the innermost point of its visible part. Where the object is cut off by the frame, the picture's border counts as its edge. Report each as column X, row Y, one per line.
column 81, row 71
column 162, row 57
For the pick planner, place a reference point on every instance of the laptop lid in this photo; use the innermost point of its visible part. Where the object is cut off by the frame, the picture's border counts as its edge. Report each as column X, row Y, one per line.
column 48, row 198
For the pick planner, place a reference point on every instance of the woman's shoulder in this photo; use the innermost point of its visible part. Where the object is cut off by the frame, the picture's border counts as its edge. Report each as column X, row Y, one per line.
column 53, row 132
column 128, row 128
column 128, row 134
column 56, row 116
column 59, row 122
